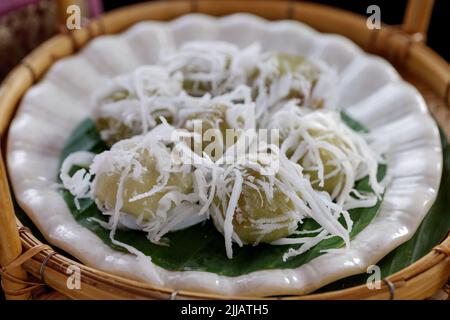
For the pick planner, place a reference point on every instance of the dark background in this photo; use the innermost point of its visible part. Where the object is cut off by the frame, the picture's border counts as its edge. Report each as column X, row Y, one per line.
column 392, row 12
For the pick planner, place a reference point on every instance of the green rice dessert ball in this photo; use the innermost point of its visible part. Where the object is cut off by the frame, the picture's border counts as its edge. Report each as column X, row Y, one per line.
column 135, row 103
column 217, row 126
column 260, row 217
column 251, row 208
column 330, row 153
column 280, row 77
column 136, row 178
column 212, row 67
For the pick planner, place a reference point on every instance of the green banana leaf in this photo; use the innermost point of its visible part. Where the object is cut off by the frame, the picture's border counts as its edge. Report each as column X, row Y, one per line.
column 201, row 247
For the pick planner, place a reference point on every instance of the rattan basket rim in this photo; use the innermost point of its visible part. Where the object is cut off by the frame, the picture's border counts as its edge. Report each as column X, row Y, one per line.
column 390, row 42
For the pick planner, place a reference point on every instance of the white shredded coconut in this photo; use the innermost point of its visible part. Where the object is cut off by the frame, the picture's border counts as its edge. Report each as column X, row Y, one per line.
column 152, row 114
column 306, row 137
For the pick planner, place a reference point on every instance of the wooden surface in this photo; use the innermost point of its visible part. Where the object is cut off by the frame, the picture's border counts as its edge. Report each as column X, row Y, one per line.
column 10, row 245
column 417, row 16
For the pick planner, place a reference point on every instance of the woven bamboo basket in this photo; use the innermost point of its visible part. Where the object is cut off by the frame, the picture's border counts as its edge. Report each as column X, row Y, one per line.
column 28, row 264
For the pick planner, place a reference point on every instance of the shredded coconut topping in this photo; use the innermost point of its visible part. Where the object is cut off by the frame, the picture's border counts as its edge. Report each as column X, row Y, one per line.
column 158, row 182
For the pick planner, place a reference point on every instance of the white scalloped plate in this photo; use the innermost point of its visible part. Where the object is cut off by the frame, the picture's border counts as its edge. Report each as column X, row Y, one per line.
column 369, row 89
